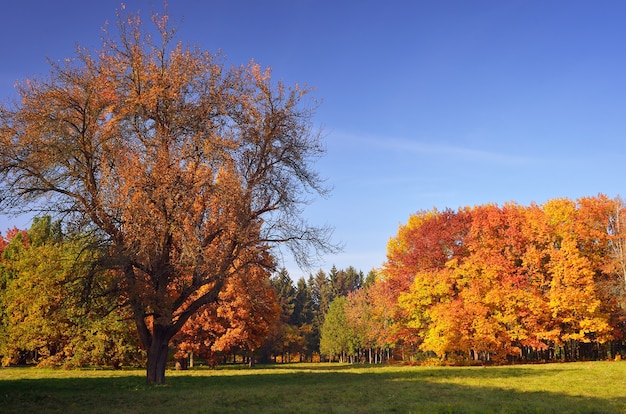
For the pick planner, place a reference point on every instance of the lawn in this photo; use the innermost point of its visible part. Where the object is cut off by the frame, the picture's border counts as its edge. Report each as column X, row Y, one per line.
column 584, row 387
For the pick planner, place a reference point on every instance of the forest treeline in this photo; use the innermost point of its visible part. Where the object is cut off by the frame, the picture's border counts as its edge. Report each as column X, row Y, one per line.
column 483, row 284
column 59, row 308
column 506, row 283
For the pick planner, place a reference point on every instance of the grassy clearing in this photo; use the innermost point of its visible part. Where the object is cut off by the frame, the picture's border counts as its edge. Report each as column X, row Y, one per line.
column 590, row 387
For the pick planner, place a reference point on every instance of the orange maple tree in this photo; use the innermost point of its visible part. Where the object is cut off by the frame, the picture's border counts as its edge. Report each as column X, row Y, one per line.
column 426, row 243
column 240, row 320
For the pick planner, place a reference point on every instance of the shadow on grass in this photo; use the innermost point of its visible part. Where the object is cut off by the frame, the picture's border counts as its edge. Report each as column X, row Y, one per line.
column 468, row 371
column 339, row 390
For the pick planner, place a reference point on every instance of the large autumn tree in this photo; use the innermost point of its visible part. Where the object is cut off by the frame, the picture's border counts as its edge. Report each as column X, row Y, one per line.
column 186, row 171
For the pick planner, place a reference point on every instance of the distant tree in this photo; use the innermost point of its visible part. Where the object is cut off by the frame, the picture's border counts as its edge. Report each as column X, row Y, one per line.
column 536, row 282
column 362, row 320
column 303, row 304
column 574, row 295
column 321, row 295
column 617, row 238
column 337, row 336
column 284, row 338
column 371, row 277
column 321, row 292
column 286, row 294
column 345, row 281
column 613, row 287
column 337, row 281
column 426, row 243
column 303, row 318
column 185, row 172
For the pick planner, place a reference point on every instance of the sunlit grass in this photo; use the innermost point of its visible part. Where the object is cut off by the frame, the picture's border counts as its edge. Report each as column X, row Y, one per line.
column 590, row 387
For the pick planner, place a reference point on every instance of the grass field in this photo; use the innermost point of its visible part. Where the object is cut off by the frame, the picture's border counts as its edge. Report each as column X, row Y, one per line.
column 586, row 387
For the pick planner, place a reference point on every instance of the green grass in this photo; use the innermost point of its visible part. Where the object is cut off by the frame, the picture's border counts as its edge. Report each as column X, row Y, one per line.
column 588, row 387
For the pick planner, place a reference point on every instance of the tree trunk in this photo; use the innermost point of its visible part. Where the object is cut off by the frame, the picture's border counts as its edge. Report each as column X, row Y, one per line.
column 157, row 356
column 181, row 364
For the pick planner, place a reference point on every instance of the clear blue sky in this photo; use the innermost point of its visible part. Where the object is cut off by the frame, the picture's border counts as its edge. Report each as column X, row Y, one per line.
column 425, row 103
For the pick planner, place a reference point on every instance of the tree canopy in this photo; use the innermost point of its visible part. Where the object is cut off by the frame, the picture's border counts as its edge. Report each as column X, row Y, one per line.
column 185, row 172
column 519, row 281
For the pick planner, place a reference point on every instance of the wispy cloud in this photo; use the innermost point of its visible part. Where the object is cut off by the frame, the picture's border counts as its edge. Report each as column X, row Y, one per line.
column 438, row 150
column 455, row 152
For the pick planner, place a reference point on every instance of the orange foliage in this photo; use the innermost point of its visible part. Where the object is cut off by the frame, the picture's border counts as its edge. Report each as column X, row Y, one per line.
column 188, row 171
column 240, row 320
column 515, row 278
column 427, row 242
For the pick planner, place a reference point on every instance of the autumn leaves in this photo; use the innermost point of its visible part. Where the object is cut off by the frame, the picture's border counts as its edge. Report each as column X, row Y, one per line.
column 491, row 282
column 186, row 171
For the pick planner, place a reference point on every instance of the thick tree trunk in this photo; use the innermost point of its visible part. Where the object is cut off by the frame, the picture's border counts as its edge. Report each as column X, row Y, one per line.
column 157, row 356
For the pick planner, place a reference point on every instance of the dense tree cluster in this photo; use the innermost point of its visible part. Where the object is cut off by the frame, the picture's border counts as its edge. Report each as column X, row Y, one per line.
column 495, row 283
column 54, row 308
column 59, row 308
column 296, row 334
column 356, row 326
column 483, row 284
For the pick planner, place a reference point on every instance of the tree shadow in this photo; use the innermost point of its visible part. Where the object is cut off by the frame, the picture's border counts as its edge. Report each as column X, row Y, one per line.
column 339, row 390
column 410, row 370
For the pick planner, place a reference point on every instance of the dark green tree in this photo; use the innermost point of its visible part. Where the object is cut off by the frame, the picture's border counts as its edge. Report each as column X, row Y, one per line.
column 321, row 297
column 303, row 319
column 353, row 279
column 286, row 293
column 344, row 281
column 285, row 338
column 371, row 277
column 322, row 293
column 303, row 304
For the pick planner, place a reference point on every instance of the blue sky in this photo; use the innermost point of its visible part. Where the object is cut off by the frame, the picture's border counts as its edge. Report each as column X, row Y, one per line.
column 424, row 103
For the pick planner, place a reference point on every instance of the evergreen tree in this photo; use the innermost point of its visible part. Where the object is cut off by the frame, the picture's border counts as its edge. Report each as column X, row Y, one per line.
column 283, row 285
column 285, row 338
column 370, row 278
column 353, row 279
column 321, row 292
column 303, row 318
column 321, row 297
column 345, row 281
column 303, row 304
